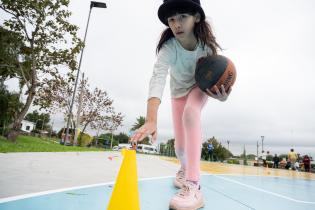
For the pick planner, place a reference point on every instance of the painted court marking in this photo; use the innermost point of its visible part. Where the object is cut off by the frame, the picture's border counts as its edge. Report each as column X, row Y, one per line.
column 29, row 195
column 219, row 176
column 262, row 190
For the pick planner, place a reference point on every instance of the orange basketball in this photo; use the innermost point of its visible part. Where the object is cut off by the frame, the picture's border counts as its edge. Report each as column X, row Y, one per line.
column 215, row 70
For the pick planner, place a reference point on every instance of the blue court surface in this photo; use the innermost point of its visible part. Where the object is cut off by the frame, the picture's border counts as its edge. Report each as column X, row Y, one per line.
column 228, row 192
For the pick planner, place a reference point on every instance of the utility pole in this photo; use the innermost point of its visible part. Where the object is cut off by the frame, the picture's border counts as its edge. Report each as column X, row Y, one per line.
column 257, row 151
column 76, row 134
column 262, row 143
column 92, row 4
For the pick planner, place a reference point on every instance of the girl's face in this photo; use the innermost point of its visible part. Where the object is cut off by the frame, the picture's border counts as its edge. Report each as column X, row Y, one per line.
column 182, row 25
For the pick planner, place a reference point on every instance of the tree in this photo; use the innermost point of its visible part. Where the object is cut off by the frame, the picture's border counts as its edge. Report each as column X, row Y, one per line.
column 10, row 105
column 56, row 95
column 122, row 138
column 107, row 139
column 114, row 123
column 45, row 32
column 41, row 120
column 170, row 147
column 251, row 157
column 140, row 122
column 98, row 111
column 11, row 47
column 96, row 106
column 219, row 151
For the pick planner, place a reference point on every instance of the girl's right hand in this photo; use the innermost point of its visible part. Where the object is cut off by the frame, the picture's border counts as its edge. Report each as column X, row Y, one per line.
column 221, row 96
column 149, row 128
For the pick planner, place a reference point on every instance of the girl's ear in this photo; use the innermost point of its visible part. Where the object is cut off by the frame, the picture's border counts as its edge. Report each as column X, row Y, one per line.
column 197, row 17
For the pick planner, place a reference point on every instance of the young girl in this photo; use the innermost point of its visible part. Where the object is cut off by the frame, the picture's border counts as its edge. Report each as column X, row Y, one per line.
column 187, row 38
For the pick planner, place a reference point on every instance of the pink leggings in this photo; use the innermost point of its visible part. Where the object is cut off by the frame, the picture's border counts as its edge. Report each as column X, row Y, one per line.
column 187, row 129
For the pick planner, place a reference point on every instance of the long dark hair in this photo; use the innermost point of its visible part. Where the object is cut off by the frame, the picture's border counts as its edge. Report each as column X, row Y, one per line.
column 203, row 33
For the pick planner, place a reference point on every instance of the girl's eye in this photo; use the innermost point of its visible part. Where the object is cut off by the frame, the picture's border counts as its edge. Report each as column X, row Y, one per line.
column 183, row 16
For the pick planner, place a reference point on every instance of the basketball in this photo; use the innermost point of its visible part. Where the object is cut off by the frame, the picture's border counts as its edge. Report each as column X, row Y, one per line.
column 215, row 70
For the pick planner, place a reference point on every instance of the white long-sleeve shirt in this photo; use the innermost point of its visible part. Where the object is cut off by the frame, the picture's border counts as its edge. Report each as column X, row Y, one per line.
column 182, row 64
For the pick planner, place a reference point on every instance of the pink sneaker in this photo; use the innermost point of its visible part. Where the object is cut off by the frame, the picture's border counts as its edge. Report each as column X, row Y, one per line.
column 188, row 198
column 179, row 179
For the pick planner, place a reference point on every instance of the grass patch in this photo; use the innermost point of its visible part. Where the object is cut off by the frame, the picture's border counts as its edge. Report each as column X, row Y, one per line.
column 35, row 144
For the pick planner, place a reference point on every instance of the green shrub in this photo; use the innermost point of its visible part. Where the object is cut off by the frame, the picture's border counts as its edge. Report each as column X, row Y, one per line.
column 84, row 139
column 233, row 161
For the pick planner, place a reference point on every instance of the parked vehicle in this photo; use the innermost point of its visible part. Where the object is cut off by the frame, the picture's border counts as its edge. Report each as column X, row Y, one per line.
column 121, row 146
column 149, row 149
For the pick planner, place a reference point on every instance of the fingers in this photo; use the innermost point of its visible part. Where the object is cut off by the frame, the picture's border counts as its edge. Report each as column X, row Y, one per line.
column 220, row 95
column 217, row 95
column 223, row 90
column 210, row 93
column 140, row 135
column 143, row 135
column 144, row 131
column 137, row 136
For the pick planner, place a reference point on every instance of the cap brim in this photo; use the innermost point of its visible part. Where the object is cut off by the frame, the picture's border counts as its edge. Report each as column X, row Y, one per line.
column 164, row 9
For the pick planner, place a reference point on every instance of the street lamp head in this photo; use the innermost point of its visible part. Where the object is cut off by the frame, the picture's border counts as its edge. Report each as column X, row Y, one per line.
column 97, row 4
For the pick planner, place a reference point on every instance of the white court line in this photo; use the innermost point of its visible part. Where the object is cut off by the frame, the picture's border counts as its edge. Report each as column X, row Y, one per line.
column 29, row 195
column 3, row 200
column 260, row 175
column 265, row 191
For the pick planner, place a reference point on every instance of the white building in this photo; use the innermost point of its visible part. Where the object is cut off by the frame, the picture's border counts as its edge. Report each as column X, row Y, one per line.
column 27, row 126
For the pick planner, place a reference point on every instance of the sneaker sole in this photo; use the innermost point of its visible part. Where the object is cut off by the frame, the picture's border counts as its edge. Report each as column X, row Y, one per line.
column 200, row 205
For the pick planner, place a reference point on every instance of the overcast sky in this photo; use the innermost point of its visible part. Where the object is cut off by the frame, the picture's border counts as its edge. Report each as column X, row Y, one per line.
column 270, row 42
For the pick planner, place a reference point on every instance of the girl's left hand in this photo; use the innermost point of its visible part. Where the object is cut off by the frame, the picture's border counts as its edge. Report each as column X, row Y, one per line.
column 221, row 96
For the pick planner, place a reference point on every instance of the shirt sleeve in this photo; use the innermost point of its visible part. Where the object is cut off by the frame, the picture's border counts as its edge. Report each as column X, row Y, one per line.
column 160, row 72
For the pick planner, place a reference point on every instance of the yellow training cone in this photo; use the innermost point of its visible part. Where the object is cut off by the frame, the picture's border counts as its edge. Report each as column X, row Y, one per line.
column 125, row 195
column 123, row 151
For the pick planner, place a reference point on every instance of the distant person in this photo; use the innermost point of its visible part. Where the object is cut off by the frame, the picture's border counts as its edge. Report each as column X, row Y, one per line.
column 63, row 137
column 283, row 163
column 307, row 163
column 264, row 158
column 298, row 157
column 287, row 164
column 210, row 151
column 268, row 153
column 297, row 166
column 292, row 157
column 276, row 161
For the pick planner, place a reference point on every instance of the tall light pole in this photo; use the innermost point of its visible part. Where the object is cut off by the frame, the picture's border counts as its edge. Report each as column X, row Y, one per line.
column 93, row 4
column 76, row 132
column 257, row 151
column 262, row 143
